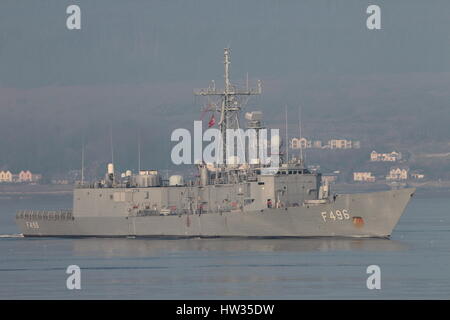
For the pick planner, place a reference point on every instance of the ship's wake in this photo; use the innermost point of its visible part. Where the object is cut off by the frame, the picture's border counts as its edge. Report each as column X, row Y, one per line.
column 16, row 235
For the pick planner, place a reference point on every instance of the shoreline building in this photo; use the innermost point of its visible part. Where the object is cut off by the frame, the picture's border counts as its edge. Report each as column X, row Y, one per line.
column 25, row 176
column 22, row 176
column 304, row 143
column 393, row 156
column 6, row 176
column 417, row 175
column 363, row 176
column 397, row 174
column 343, row 144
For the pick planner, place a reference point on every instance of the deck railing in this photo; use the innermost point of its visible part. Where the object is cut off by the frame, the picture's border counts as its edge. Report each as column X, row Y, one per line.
column 64, row 214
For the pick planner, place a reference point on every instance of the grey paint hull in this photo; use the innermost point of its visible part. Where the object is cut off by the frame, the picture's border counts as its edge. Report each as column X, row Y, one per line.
column 349, row 215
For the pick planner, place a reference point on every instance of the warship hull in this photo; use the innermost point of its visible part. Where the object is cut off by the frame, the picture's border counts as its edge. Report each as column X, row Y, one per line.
column 348, row 215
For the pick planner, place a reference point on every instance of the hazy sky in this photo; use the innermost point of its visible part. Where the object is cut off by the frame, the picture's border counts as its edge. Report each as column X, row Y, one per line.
column 130, row 42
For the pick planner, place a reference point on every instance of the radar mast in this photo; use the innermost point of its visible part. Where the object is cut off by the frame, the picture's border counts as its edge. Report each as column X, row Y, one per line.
column 231, row 100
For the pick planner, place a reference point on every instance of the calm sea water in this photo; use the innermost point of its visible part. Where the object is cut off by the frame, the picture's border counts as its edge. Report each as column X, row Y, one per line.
column 415, row 262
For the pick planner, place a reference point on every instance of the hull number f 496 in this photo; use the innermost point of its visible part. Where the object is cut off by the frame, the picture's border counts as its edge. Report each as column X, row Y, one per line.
column 335, row 215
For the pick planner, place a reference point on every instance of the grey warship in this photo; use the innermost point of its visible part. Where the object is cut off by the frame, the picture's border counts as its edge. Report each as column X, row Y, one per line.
column 225, row 200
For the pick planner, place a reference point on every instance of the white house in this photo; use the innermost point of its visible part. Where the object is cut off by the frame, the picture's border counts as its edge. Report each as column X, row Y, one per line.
column 397, row 174
column 363, row 176
column 6, row 176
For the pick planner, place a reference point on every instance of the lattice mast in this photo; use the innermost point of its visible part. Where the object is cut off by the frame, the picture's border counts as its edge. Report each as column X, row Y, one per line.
column 231, row 101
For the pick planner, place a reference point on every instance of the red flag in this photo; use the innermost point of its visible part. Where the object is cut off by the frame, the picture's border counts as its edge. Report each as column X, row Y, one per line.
column 212, row 121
